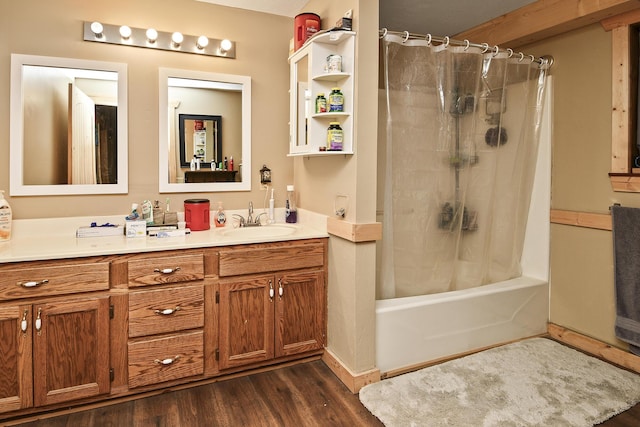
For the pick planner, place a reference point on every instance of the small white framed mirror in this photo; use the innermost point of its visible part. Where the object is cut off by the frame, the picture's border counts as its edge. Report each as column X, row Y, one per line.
column 204, row 117
column 68, row 126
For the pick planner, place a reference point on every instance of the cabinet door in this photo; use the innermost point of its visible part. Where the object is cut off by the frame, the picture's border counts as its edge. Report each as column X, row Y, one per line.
column 300, row 313
column 246, row 321
column 15, row 358
column 70, row 350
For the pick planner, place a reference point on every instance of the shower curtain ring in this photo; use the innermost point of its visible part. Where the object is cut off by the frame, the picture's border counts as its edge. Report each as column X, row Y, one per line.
column 384, row 33
column 510, row 52
column 467, row 44
column 521, row 56
column 495, row 51
column 406, row 37
column 446, row 41
column 533, row 58
column 485, row 47
column 428, row 39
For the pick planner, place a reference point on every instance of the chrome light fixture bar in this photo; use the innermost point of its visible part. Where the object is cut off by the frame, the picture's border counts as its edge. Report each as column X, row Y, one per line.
column 153, row 39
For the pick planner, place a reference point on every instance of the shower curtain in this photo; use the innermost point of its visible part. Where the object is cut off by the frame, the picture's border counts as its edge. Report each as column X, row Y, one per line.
column 462, row 126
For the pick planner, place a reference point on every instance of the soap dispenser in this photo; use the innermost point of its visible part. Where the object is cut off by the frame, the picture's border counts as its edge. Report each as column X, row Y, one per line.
column 5, row 218
column 220, row 218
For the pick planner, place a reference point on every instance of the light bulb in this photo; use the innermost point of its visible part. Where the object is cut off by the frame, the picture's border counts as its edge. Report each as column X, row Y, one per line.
column 177, row 39
column 225, row 45
column 125, row 32
column 97, row 29
column 152, row 35
column 203, row 42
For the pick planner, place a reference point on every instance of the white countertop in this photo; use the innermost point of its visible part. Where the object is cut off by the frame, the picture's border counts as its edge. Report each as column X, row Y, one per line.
column 55, row 238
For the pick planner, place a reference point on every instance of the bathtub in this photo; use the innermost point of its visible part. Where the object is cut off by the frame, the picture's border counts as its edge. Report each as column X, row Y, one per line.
column 412, row 331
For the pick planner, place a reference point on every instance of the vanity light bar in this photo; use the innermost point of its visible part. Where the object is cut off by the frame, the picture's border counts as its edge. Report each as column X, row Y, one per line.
column 151, row 38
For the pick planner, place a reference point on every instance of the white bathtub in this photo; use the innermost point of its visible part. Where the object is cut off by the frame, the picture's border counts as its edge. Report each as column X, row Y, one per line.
column 415, row 330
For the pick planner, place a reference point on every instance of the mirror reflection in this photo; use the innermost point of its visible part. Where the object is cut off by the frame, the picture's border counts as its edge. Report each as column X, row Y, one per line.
column 201, row 139
column 195, row 154
column 68, row 126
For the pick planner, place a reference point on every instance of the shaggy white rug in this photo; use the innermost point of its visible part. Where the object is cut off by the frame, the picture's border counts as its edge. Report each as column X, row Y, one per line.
column 536, row 382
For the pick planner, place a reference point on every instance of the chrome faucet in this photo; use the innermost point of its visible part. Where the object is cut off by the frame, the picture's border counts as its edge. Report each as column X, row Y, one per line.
column 250, row 215
column 250, row 221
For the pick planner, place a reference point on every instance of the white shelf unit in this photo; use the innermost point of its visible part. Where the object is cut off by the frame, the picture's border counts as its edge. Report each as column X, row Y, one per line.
column 200, row 144
column 308, row 130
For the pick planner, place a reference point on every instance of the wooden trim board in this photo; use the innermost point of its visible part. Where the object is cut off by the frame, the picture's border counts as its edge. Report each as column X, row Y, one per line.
column 596, row 348
column 581, row 219
column 545, row 18
column 363, row 232
column 354, row 382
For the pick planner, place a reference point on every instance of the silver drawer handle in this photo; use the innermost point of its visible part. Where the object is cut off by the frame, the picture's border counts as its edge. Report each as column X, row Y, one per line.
column 167, row 311
column 167, row 361
column 33, row 283
column 166, row 270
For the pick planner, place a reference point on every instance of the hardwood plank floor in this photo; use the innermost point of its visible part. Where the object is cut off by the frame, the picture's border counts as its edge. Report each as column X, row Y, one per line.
column 305, row 395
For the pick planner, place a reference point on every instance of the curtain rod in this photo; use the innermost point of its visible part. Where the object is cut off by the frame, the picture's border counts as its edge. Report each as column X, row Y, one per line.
column 544, row 61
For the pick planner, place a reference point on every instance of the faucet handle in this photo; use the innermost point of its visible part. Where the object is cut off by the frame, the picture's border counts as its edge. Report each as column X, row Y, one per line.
column 240, row 219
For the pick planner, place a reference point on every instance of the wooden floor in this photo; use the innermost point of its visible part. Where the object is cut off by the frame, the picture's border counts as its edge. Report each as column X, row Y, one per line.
column 307, row 394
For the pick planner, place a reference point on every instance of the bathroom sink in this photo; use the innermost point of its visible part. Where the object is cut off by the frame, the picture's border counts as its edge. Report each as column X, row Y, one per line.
column 274, row 230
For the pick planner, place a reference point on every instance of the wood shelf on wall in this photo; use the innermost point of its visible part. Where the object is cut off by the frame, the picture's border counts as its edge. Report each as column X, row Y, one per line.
column 581, row 219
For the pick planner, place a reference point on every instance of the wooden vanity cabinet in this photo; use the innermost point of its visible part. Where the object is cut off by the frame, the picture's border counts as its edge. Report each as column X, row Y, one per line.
column 165, row 317
column 53, row 349
column 79, row 331
column 267, row 312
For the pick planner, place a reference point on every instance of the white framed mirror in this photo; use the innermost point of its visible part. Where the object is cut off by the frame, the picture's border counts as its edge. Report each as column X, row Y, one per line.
column 68, row 126
column 199, row 97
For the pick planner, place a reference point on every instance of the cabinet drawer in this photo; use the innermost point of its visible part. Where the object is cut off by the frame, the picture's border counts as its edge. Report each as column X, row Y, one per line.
column 25, row 280
column 262, row 260
column 157, row 311
column 168, row 269
column 164, row 359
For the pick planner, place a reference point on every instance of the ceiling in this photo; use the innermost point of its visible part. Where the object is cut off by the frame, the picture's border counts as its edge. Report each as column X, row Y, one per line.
column 437, row 17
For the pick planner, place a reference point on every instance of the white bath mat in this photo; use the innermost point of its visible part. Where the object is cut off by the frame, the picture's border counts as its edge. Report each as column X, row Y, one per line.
column 536, row 382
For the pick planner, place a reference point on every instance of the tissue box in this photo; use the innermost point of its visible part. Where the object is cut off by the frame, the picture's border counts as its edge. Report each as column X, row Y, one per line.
column 116, row 230
column 136, row 228
column 344, row 23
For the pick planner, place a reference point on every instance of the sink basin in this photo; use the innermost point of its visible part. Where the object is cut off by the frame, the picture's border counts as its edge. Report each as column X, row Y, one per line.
column 262, row 231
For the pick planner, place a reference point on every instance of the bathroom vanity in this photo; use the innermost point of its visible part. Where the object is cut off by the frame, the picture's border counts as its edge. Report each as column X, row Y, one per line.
column 87, row 320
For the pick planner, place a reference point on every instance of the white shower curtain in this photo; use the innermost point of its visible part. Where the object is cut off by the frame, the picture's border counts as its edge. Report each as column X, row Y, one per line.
column 462, row 125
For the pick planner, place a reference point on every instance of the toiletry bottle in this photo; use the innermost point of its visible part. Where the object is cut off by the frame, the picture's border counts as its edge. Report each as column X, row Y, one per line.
column 192, row 165
column 5, row 218
column 226, row 163
column 220, row 217
column 291, row 213
column 231, row 163
column 158, row 213
column 272, row 211
column 147, row 212
column 336, row 100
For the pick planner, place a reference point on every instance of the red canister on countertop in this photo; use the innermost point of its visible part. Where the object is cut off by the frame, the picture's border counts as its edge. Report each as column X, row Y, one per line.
column 196, row 214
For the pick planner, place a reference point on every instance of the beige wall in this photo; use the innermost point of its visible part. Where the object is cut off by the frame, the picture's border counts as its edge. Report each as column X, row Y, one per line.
column 54, row 28
column 351, row 329
column 582, row 287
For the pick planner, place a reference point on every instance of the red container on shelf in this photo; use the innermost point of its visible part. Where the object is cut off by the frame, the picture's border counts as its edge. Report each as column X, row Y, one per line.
column 305, row 26
column 196, row 214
